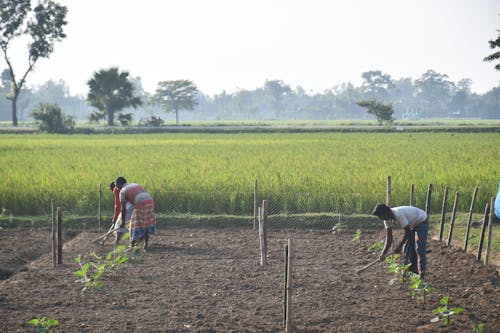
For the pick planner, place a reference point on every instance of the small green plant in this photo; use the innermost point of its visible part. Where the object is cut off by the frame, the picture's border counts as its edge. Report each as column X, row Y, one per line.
column 357, row 236
column 479, row 328
column 43, row 324
column 397, row 269
column 339, row 227
column 419, row 288
column 444, row 313
column 377, row 246
column 91, row 272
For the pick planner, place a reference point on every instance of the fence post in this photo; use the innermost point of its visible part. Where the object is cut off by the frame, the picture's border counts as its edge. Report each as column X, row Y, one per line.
column 428, row 200
column 472, row 203
column 412, row 195
column 262, row 237
column 443, row 213
column 483, row 229
column 285, row 284
column 490, row 230
column 388, row 192
column 59, row 236
column 255, row 208
column 54, row 233
column 99, row 210
column 288, row 326
column 453, row 214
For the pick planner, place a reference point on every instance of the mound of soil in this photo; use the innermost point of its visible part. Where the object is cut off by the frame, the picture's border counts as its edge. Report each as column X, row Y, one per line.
column 210, row 280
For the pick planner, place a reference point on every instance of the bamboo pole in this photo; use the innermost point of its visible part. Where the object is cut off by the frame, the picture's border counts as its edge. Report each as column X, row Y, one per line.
column 388, row 197
column 99, row 211
column 59, row 236
column 443, row 213
column 261, row 238
column 483, row 229
column 289, row 286
column 490, row 231
column 54, row 233
column 428, row 200
column 388, row 192
column 264, row 220
column 412, row 195
column 255, row 207
column 285, row 282
column 453, row 214
column 469, row 221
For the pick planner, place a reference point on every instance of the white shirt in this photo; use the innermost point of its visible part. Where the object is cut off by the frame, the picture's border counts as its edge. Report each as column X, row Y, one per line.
column 406, row 215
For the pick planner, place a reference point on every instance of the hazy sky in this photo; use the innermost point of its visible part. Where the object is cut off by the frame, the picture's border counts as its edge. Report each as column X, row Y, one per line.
column 231, row 44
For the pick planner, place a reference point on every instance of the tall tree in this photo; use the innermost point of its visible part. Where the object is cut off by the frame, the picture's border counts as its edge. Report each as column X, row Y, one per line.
column 383, row 112
column 434, row 93
column 111, row 91
column 376, row 84
column 176, row 95
column 276, row 90
column 43, row 24
column 496, row 55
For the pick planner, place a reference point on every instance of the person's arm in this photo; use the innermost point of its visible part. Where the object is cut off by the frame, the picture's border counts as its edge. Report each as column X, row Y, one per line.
column 406, row 236
column 116, row 194
column 388, row 242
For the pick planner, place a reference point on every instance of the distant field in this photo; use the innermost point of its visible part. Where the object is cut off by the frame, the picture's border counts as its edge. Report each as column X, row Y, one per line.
column 214, row 173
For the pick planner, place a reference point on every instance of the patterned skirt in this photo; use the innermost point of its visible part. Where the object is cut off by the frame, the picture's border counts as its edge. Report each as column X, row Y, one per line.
column 142, row 220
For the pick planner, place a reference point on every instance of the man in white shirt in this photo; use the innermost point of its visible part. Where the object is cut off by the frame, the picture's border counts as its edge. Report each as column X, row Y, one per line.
column 415, row 223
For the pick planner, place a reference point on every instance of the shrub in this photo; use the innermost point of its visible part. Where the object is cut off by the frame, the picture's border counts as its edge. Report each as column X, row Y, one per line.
column 51, row 119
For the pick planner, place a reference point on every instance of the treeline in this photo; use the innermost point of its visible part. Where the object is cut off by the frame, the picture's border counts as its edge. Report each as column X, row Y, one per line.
column 432, row 95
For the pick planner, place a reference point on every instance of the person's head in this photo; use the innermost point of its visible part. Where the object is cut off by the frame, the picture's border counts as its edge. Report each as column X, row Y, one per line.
column 382, row 211
column 120, row 181
column 112, row 186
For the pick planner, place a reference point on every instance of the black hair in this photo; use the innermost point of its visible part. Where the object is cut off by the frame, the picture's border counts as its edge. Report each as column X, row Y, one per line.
column 112, row 186
column 120, row 181
column 381, row 210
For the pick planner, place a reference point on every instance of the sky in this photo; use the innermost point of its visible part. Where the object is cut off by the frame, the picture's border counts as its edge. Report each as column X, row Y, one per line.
column 230, row 45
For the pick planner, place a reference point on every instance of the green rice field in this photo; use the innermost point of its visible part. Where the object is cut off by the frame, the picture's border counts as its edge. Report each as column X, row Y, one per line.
column 207, row 173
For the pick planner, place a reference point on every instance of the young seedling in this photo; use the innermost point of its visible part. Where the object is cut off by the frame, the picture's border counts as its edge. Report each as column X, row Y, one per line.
column 43, row 324
column 419, row 288
column 394, row 267
column 357, row 236
column 91, row 272
column 479, row 328
column 377, row 246
column 339, row 227
column 444, row 313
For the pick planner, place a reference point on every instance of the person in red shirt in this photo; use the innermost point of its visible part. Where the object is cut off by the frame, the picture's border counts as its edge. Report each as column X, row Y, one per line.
column 142, row 220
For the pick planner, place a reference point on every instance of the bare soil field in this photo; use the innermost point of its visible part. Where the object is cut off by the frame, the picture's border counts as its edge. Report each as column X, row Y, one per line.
column 210, row 280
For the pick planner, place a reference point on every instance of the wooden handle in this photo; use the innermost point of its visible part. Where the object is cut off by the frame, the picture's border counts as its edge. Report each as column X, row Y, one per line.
column 367, row 266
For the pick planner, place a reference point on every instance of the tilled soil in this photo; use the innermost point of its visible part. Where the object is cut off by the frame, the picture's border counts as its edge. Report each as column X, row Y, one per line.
column 211, row 280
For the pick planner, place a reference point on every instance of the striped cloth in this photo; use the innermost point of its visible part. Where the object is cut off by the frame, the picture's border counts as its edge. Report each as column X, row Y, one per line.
column 142, row 220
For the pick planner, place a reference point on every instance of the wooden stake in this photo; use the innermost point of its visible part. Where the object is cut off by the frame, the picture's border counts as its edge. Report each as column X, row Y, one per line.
column 261, row 238
column 443, row 213
column 388, row 192
column 412, row 195
column 428, row 200
column 285, row 282
column 483, row 229
column 264, row 220
column 453, row 214
column 472, row 203
column 288, row 326
column 59, row 236
column 490, row 230
column 54, row 233
column 255, row 208
column 99, row 210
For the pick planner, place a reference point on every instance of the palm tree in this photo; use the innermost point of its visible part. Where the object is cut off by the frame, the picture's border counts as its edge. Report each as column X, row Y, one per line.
column 111, row 91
